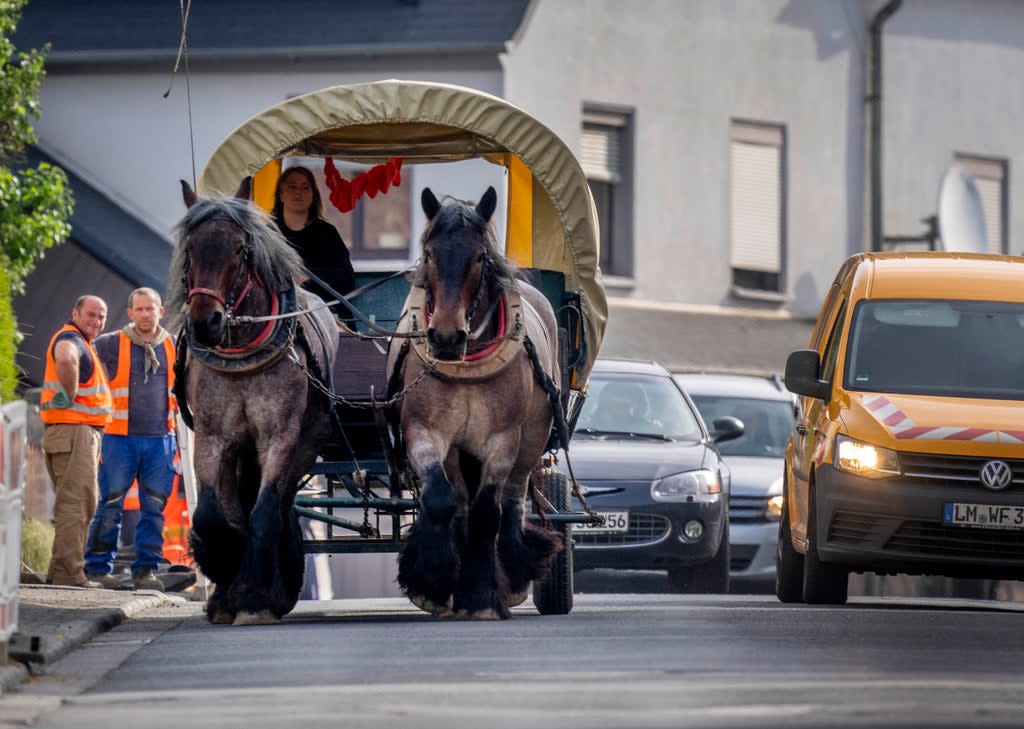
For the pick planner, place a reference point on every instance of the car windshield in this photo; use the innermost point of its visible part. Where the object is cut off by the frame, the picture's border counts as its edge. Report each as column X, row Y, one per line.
column 950, row 348
column 766, row 423
column 644, row 406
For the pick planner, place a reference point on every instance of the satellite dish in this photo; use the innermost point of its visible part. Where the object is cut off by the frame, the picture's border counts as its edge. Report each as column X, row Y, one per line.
column 961, row 216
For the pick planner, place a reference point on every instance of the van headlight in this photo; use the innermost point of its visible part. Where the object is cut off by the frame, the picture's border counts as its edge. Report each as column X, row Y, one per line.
column 679, row 486
column 864, row 459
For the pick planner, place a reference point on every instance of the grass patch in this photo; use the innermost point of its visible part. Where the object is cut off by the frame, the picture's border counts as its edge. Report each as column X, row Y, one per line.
column 36, row 544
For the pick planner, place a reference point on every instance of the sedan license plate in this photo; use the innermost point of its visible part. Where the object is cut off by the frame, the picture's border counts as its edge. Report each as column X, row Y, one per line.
column 988, row 516
column 614, row 521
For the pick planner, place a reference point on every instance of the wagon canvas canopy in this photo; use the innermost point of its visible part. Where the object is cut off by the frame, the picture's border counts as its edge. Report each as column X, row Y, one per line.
column 552, row 222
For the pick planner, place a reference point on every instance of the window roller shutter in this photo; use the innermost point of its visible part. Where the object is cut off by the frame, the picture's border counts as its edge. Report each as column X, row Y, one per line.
column 756, row 207
column 601, row 156
column 991, row 202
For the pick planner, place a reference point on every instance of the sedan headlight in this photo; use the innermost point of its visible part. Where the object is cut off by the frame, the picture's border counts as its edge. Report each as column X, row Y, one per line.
column 680, row 486
column 773, row 508
column 864, row 459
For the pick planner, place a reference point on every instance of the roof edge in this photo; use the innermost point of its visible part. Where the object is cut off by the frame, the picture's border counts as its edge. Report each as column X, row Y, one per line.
column 69, row 59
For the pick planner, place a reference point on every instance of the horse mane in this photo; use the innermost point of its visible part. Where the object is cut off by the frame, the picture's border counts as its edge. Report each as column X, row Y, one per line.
column 273, row 258
column 456, row 216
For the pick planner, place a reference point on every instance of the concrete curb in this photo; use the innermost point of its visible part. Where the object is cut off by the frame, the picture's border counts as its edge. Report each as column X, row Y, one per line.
column 48, row 629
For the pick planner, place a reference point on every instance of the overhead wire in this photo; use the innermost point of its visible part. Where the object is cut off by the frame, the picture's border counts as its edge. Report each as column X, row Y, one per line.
column 182, row 55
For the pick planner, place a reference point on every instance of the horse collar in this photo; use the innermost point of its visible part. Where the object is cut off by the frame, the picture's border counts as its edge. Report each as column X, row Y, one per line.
column 481, row 365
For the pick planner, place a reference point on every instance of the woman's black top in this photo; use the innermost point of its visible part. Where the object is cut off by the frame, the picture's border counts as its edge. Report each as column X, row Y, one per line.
column 325, row 254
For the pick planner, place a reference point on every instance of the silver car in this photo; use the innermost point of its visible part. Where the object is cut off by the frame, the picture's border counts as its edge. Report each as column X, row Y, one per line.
column 756, row 462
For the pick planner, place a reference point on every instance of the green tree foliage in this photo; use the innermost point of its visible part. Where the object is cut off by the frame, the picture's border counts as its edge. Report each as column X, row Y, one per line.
column 8, row 342
column 35, row 204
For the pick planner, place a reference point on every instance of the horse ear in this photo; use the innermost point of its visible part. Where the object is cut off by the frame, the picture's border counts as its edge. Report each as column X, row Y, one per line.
column 188, row 194
column 245, row 189
column 485, row 208
column 429, row 203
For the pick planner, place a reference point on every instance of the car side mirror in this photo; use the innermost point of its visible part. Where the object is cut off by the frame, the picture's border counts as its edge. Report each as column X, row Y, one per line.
column 727, row 428
column 802, row 367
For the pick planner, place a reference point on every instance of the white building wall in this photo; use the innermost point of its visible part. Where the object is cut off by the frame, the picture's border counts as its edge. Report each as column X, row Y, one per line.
column 687, row 69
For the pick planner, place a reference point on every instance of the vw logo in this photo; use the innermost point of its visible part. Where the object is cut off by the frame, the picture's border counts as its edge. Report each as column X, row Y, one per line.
column 996, row 475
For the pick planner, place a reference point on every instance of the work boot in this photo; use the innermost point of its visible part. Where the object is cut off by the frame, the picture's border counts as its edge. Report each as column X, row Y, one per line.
column 144, row 579
column 108, row 582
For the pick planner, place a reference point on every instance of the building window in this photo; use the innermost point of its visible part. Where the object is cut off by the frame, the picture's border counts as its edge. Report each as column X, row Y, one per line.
column 377, row 228
column 757, row 224
column 991, row 178
column 607, row 163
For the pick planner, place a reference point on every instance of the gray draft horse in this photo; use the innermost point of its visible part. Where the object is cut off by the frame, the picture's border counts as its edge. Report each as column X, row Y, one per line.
column 258, row 421
column 474, row 428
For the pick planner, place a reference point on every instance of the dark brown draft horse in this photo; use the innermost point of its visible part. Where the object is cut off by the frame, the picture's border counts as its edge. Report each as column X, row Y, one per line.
column 474, row 428
column 258, row 421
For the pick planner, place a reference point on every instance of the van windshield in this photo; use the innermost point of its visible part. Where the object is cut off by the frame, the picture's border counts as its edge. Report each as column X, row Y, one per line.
column 936, row 347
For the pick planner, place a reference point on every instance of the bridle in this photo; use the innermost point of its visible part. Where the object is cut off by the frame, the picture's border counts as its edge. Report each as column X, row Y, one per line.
column 236, row 295
column 236, row 292
column 471, row 310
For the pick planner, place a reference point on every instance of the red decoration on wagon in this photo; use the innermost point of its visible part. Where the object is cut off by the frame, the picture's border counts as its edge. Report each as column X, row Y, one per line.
column 378, row 179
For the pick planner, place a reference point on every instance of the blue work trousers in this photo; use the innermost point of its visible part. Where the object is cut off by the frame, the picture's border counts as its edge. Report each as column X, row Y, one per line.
column 126, row 458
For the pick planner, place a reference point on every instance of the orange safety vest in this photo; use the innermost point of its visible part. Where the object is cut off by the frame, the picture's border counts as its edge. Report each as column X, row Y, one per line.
column 119, row 386
column 92, row 403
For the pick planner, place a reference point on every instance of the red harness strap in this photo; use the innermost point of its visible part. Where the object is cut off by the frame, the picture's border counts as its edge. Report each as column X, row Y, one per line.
column 261, row 337
column 208, row 292
column 489, row 349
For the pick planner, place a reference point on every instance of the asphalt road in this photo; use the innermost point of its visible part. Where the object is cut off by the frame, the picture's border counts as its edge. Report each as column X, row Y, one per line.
column 622, row 660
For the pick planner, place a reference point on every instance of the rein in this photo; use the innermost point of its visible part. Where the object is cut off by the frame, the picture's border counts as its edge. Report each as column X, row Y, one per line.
column 341, row 299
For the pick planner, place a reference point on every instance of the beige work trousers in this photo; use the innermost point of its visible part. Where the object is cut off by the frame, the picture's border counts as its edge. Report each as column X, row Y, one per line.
column 72, row 460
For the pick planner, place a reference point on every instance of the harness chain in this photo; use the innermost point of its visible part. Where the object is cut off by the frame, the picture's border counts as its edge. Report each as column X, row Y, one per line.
column 562, row 428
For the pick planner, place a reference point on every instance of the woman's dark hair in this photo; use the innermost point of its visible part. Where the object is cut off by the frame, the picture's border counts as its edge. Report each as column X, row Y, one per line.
column 316, row 210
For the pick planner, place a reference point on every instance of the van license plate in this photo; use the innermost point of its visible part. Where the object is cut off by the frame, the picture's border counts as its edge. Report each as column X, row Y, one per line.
column 614, row 521
column 984, row 515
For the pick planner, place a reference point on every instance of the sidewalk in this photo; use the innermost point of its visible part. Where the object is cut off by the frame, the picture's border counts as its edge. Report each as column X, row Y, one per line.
column 53, row 621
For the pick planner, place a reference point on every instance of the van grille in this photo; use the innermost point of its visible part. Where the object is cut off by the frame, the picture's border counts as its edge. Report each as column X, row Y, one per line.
column 851, row 528
column 643, row 529
column 935, row 539
column 747, row 508
column 953, row 470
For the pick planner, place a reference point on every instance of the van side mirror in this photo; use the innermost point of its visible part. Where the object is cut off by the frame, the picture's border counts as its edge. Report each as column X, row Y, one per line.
column 802, row 367
column 727, row 428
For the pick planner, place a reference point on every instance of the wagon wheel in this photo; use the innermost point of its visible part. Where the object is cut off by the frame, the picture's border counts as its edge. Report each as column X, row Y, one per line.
column 553, row 594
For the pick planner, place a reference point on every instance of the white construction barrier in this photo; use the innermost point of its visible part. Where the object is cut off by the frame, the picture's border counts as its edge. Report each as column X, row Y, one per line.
column 13, row 429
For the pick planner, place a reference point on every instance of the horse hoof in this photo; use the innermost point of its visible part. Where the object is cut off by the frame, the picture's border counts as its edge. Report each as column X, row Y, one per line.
column 222, row 617
column 517, row 598
column 434, row 608
column 263, row 617
column 487, row 614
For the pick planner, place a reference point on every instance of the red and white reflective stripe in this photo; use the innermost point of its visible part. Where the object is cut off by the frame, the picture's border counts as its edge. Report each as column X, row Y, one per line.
column 903, row 427
column 887, row 413
column 922, row 433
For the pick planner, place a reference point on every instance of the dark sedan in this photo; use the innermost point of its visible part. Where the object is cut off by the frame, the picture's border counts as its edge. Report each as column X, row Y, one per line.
column 647, row 464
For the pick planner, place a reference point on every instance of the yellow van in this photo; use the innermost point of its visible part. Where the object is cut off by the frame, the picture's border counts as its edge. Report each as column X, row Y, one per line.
column 907, row 454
